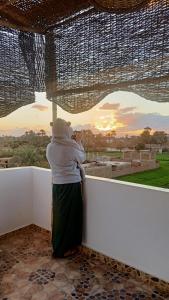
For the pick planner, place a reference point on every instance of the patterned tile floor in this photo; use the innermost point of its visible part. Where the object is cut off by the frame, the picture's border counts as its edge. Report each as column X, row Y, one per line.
column 28, row 272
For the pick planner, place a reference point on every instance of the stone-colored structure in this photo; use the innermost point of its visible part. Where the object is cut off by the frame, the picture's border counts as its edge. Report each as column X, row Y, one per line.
column 113, row 169
column 140, row 155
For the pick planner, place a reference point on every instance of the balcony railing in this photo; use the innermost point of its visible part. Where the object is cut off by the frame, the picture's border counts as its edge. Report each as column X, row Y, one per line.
column 125, row 221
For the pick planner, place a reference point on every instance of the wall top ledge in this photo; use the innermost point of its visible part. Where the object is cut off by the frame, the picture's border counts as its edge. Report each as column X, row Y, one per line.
column 106, row 180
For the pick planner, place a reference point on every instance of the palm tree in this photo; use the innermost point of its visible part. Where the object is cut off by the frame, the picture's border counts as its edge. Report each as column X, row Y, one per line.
column 148, row 128
column 42, row 132
column 26, row 133
column 111, row 134
column 146, row 136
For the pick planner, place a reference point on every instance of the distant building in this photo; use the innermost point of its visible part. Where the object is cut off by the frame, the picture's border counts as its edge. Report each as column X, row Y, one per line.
column 141, row 155
column 155, row 147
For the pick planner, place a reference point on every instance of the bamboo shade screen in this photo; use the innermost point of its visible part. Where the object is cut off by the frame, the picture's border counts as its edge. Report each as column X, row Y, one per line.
column 79, row 51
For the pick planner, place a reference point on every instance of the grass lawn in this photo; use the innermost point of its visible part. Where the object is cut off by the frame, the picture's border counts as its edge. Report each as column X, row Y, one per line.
column 158, row 177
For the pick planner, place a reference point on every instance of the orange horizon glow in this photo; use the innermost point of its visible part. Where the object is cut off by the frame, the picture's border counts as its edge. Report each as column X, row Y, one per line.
column 108, row 124
column 126, row 109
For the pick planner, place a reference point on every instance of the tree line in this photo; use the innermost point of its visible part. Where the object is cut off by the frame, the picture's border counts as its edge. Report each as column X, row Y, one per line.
column 30, row 148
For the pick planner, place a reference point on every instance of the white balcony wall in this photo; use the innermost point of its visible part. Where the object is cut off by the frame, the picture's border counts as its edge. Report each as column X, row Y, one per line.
column 42, row 197
column 125, row 221
column 129, row 223
column 16, row 198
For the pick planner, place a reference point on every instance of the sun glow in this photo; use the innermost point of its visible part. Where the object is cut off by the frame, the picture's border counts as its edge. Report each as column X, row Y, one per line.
column 106, row 123
column 104, row 128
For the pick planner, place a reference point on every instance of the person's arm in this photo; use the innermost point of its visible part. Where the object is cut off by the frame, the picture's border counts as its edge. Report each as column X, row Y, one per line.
column 79, row 155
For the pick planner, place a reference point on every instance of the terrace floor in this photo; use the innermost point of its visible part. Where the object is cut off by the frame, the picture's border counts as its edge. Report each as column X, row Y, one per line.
column 28, row 272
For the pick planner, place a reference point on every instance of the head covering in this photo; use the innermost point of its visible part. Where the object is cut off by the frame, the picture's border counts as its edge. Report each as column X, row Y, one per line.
column 62, row 134
column 62, row 129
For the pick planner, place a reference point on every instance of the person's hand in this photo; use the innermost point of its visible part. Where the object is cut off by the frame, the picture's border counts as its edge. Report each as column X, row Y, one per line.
column 77, row 136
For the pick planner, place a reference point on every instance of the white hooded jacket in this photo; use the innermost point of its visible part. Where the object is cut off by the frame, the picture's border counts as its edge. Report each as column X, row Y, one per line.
column 64, row 155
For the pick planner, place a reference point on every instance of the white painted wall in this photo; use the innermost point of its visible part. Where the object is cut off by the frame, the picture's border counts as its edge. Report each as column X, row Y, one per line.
column 130, row 223
column 125, row 221
column 42, row 197
column 16, row 198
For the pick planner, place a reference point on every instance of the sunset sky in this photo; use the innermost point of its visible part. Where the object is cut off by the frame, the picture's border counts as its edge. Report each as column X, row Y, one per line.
column 127, row 113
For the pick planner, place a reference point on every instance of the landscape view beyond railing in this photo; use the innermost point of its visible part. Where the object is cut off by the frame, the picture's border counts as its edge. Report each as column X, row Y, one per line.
column 142, row 158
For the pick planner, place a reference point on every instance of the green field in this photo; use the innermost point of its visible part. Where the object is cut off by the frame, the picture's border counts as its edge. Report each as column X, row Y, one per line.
column 158, row 177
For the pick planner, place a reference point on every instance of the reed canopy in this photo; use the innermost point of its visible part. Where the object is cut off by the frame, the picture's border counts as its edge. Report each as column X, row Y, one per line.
column 78, row 51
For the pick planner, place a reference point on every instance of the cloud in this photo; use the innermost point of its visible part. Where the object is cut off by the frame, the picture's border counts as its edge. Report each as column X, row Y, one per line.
column 138, row 121
column 116, row 106
column 86, row 127
column 40, row 107
column 110, row 106
column 129, row 121
column 127, row 109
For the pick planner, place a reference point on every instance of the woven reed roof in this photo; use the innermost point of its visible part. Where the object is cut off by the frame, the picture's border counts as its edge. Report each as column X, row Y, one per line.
column 78, row 51
column 40, row 15
column 37, row 15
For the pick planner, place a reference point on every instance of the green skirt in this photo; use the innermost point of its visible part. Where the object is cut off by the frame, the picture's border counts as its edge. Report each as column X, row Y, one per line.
column 67, row 217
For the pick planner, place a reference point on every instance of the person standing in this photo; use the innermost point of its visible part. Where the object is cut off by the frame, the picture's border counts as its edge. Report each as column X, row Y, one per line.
column 65, row 156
